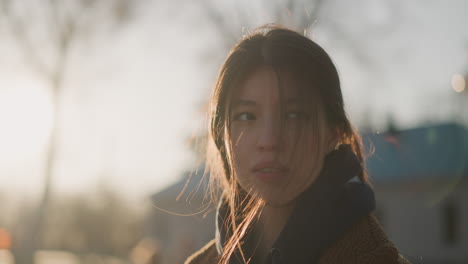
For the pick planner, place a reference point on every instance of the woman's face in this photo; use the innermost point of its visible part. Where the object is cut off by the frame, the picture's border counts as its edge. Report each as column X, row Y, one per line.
column 268, row 161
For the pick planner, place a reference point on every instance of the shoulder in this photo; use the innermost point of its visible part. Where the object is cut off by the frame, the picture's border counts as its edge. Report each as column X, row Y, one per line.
column 206, row 255
column 366, row 242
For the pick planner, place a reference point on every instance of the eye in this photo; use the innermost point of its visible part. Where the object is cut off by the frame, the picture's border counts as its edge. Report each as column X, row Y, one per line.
column 244, row 116
column 297, row 115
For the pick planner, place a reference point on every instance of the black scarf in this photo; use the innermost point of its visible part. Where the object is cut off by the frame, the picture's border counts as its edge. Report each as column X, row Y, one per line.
column 324, row 212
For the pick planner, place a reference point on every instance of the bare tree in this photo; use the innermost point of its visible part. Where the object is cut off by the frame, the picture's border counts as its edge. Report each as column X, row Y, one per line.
column 46, row 33
column 231, row 21
column 300, row 15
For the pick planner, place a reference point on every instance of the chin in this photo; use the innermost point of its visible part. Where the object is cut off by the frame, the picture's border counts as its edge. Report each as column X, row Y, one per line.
column 273, row 193
column 277, row 198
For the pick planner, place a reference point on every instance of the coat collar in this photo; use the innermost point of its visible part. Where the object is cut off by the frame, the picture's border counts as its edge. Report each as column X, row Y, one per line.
column 324, row 212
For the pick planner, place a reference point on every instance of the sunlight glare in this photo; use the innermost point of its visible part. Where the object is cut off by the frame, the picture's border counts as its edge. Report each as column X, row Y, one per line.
column 25, row 120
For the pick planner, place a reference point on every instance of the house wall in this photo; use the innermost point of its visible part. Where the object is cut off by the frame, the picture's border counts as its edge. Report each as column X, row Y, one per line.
column 181, row 235
column 188, row 234
column 416, row 221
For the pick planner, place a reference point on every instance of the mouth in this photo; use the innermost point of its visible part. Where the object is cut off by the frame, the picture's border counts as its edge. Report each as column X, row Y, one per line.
column 269, row 171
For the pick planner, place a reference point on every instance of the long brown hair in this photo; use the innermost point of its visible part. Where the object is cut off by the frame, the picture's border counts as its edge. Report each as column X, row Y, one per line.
column 288, row 53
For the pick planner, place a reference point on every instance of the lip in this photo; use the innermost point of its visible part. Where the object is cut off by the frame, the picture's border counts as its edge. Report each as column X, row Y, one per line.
column 268, row 176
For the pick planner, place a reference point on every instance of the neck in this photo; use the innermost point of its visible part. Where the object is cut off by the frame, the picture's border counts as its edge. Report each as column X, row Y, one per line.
column 271, row 222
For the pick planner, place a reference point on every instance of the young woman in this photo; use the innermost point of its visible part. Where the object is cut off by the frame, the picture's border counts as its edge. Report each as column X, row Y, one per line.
column 290, row 165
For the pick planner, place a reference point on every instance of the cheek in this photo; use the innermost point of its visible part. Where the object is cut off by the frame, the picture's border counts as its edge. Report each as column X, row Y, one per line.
column 242, row 153
column 305, row 157
column 240, row 147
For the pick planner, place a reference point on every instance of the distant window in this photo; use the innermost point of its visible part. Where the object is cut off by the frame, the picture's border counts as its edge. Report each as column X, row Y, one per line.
column 450, row 223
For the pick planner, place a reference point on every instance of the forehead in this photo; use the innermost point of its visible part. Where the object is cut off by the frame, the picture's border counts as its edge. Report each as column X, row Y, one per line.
column 265, row 84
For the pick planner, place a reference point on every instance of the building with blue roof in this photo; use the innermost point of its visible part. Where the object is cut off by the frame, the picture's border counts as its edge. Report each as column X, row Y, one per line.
column 422, row 154
column 420, row 178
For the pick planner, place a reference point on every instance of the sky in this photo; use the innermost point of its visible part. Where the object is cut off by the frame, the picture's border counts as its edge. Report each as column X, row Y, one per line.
column 134, row 97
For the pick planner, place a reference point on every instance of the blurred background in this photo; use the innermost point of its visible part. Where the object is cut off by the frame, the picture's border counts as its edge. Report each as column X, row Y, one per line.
column 102, row 111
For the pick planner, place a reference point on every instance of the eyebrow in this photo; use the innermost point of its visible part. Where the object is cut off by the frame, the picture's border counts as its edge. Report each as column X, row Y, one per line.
column 244, row 102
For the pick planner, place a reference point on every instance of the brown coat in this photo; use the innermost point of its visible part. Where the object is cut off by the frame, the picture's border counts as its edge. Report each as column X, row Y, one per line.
column 365, row 243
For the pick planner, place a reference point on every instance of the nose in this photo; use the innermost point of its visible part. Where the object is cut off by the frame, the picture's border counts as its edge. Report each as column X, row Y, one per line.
column 269, row 135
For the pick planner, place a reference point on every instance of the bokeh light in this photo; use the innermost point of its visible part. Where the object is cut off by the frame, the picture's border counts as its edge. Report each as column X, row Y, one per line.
column 458, row 83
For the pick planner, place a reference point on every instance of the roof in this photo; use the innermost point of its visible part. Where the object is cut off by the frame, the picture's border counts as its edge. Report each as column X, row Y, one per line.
column 191, row 185
column 432, row 152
